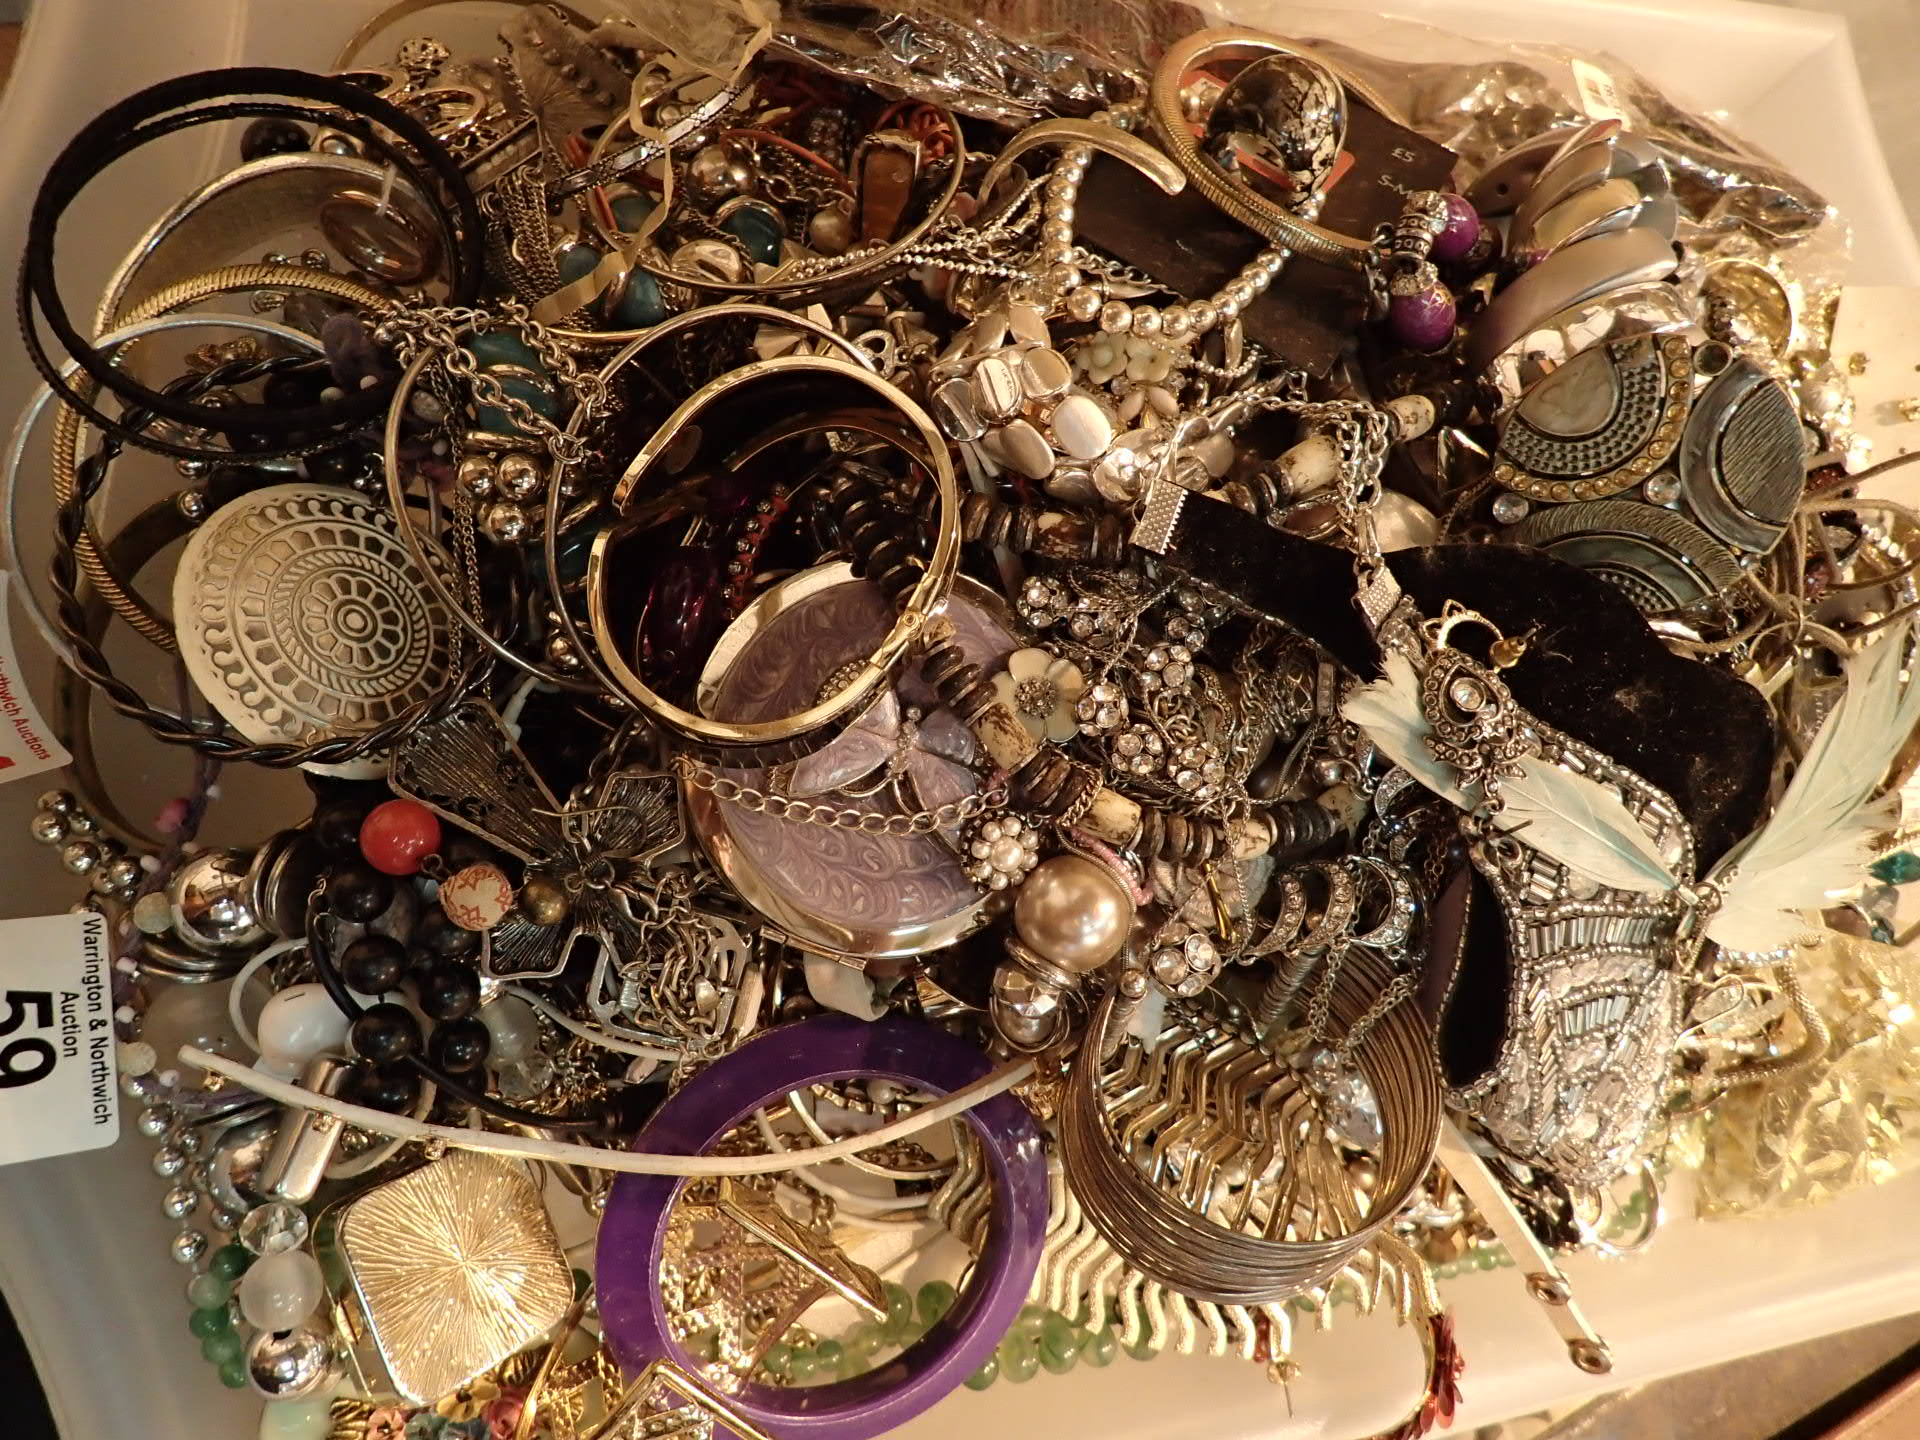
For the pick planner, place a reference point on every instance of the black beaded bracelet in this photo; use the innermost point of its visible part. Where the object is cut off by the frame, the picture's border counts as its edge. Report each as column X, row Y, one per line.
column 144, row 117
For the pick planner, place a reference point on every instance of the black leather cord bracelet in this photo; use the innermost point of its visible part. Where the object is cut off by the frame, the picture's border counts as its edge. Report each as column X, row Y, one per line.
column 164, row 109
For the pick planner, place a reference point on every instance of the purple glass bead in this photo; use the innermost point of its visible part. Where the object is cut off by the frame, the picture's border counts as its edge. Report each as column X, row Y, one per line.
column 1424, row 320
column 683, row 606
column 1461, row 233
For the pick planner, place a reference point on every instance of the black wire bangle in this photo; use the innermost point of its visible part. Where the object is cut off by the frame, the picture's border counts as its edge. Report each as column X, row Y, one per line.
column 143, row 117
column 321, row 954
column 91, row 663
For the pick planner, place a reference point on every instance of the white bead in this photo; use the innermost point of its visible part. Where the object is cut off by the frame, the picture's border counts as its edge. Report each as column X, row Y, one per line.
column 310, row 1419
column 297, row 1024
column 1081, row 428
column 281, row 1291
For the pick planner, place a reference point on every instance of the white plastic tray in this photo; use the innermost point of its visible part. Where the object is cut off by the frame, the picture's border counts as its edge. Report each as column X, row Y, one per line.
column 83, row 1255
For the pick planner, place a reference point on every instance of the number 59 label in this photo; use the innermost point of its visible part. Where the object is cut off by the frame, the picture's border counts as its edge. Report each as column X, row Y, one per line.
column 58, row 1089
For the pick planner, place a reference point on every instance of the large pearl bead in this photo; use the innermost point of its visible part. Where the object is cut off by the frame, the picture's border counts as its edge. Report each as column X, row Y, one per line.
column 1074, row 913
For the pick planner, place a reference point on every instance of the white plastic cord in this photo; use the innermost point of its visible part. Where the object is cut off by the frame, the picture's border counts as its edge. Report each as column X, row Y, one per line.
column 840, row 1195
column 626, row 1162
column 588, row 1033
column 239, row 986
column 380, row 1154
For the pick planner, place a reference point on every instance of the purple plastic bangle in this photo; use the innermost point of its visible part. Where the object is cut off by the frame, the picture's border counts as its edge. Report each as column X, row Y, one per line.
column 759, row 1073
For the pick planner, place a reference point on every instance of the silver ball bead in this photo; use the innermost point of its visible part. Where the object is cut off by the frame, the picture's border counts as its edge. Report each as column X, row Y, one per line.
column 211, row 901
column 1116, row 317
column 475, row 477
column 80, row 857
column 1146, row 321
column 1083, row 304
column 49, row 828
column 154, row 1120
column 291, row 1364
column 505, row 523
column 188, row 1246
column 194, row 1142
column 1073, row 912
column 227, row 1221
column 519, row 477
column 719, row 172
column 1202, row 316
column 119, row 876
column 59, row 802
column 81, row 823
column 179, row 1202
column 193, row 505
column 169, row 1161
column 139, row 1087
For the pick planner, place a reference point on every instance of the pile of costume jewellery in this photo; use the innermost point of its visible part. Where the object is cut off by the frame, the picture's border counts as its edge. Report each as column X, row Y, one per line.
column 968, row 702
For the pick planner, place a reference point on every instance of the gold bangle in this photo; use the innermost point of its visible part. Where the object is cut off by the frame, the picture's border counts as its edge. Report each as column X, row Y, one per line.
column 1256, row 212
column 66, row 427
column 791, row 736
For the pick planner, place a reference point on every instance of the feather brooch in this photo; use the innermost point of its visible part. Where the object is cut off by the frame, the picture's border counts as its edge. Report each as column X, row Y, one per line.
column 1813, row 847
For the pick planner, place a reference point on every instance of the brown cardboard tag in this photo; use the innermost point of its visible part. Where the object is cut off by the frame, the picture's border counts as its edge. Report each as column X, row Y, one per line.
column 1308, row 315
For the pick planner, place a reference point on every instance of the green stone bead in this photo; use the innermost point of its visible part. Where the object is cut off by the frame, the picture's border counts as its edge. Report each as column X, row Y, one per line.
column 865, row 1340
column 802, row 1365
column 1098, row 1347
column 899, row 1309
column 230, row 1262
column 637, row 302
column 210, row 1322
column 985, row 1375
column 504, row 347
column 1031, row 1324
column 1058, row 1337
column 1059, row 1362
column 1142, row 1351
column 1505, row 1258
column 1485, row 1261
column 307, row 1419
column 630, row 211
column 233, row 1374
column 758, row 232
column 1447, row 1270
column 778, row 1360
column 221, row 1347
column 1900, row 868
column 936, row 1298
column 1019, row 1360
column 829, row 1352
column 208, row 1292
column 576, row 262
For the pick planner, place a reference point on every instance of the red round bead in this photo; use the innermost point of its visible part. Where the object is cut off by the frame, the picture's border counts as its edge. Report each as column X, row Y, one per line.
column 396, row 835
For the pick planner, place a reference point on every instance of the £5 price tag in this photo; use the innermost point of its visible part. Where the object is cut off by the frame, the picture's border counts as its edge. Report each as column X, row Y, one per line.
column 58, row 1087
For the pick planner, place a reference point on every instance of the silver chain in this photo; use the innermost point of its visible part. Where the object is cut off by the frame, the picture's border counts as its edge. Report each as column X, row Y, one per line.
column 837, row 817
column 438, row 329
